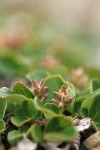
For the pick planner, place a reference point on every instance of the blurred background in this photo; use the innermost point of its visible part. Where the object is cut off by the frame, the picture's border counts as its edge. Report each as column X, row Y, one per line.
column 50, row 33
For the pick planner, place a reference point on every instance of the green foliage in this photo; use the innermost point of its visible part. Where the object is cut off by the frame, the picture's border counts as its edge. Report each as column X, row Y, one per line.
column 14, row 136
column 61, row 70
column 33, row 117
column 20, row 88
column 14, row 101
column 2, row 126
column 37, row 75
column 4, row 91
column 90, row 108
column 54, row 83
column 24, row 114
column 48, row 113
column 59, row 129
column 78, row 102
column 3, row 106
column 35, row 132
column 9, row 65
column 52, row 107
column 95, row 85
column 41, row 116
column 94, row 111
column 72, row 95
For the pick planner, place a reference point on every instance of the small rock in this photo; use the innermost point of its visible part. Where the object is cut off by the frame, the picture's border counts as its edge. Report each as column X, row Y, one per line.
column 25, row 144
column 50, row 146
column 93, row 142
column 76, row 143
column 84, row 124
column 98, row 148
column 54, row 146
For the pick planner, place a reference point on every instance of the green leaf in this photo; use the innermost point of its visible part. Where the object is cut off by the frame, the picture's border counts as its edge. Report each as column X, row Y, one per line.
column 29, row 108
column 20, row 120
column 72, row 95
column 54, row 83
column 59, row 129
column 47, row 112
column 24, row 114
column 74, row 115
column 2, row 126
column 78, row 101
column 52, row 107
column 36, row 133
column 4, row 91
column 61, row 70
column 93, row 72
column 14, row 136
column 94, row 111
column 90, row 108
column 3, row 106
column 23, row 128
column 40, row 115
column 15, row 100
column 84, row 112
column 95, row 85
column 22, row 89
column 72, row 87
column 37, row 75
column 86, row 105
column 9, row 66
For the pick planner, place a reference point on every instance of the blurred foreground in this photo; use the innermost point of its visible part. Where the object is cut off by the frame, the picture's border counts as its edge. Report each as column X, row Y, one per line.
column 48, row 34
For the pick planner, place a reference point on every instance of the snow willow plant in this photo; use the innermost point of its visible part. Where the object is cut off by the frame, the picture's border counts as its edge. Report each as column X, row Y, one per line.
column 50, row 111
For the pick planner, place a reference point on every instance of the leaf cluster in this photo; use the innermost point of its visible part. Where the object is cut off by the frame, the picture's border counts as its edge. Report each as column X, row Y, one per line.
column 23, row 113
